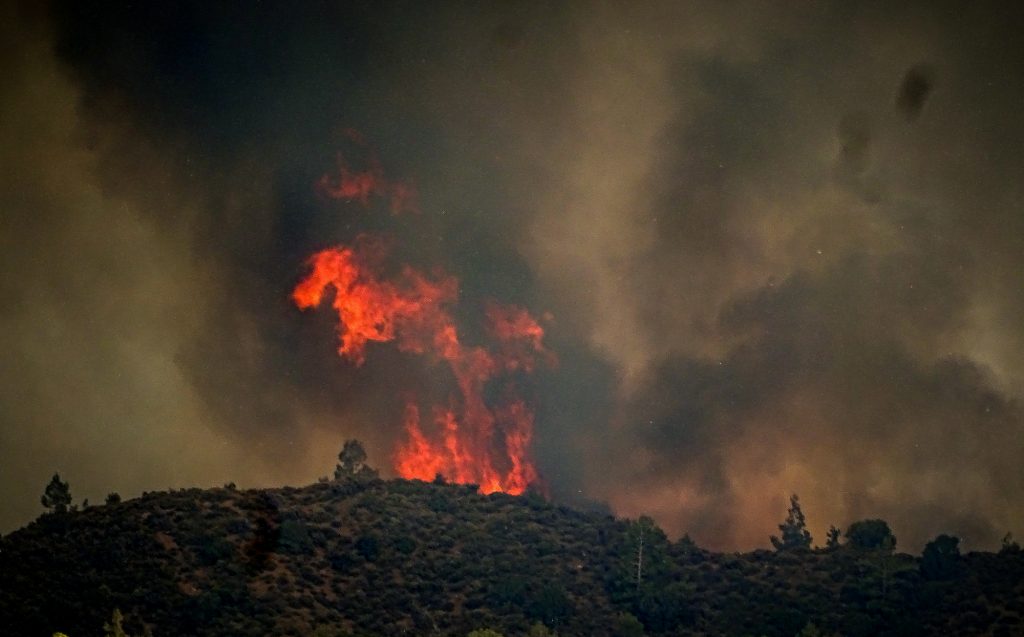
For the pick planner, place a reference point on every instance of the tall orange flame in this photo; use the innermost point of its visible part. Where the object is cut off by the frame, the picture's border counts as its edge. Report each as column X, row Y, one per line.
column 470, row 441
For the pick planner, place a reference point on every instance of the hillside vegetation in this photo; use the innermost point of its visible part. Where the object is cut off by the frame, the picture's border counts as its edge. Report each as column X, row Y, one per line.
column 368, row 557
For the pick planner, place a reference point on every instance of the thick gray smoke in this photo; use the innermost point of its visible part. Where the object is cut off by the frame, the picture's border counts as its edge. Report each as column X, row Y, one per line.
column 782, row 248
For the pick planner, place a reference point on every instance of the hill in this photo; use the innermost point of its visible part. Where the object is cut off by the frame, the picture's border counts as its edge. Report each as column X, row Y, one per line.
column 371, row 557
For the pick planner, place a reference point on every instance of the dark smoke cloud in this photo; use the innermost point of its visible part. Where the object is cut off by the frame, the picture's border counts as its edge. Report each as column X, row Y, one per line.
column 914, row 91
column 762, row 280
column 798, row 291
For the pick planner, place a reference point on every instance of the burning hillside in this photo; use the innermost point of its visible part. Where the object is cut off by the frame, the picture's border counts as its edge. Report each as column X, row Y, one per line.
column 471, row 439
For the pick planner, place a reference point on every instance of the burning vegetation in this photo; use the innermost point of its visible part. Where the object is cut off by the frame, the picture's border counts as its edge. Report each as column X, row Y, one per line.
column 471, row 439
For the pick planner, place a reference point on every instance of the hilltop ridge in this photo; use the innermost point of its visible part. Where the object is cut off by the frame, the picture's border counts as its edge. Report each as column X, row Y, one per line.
column 372, row 557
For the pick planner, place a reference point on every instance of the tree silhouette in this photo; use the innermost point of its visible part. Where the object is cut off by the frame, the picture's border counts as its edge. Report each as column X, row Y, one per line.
column 871, row 534
column 794, row 530
column 941, row 557
column 352, row 462
column 1009, row 547
column 57, row 496
column 113, row 627
column 832, row 539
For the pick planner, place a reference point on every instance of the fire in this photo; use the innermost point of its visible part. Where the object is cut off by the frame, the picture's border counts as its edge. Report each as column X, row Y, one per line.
column 469, row 440
column 360, row 184
column 370, row 309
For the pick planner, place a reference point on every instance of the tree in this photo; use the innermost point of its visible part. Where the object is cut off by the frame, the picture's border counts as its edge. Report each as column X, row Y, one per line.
column 57, row 496
column 549, row 605
column 941, row 557
column 1009, row 545
column 686, row 545
column 887, row 562
column 832, row 538
column 113, row 498
column 871, row 535
column 642, row 531
column 113, row 628
column 484, row 632
column 352, row 462
column 794, row 530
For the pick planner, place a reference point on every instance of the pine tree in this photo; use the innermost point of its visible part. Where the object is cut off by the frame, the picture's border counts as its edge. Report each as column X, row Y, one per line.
column 57, row 496
column 794, row 530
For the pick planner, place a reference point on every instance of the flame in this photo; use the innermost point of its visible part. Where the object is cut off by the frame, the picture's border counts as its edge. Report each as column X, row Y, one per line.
column 520, row 337
column 471, row 441
column 370, row 309
column 359, row 185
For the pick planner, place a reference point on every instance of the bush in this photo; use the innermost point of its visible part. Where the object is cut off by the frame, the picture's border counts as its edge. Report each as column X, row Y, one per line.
column 211, row 550
column 627, row 625
column 369, row 547
column 550, row 605
column 941, row 558
column 405, row 545
column 295, row 537
column 870, row 535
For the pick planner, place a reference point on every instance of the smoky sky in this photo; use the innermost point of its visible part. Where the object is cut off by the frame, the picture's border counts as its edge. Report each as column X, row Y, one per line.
column 782, row 247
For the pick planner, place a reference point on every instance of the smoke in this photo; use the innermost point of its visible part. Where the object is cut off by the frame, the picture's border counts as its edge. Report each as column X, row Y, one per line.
column 763, row 277
column 914, row 90
column 791, row 282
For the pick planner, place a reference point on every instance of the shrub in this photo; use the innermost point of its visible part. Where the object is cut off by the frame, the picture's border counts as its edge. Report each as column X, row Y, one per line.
column 295, row 537
column 941, row 558
column 870, row 535
column 369, row 547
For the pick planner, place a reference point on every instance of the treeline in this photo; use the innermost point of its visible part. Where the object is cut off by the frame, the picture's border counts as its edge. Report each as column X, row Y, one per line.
column 359, row 556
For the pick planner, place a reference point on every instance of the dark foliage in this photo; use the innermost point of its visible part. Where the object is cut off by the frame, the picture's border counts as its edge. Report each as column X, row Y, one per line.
column 941, row 558
column 57, row 495
column 832, row 537
column 352, row 462
column 794, row 533
column 366, row 557
column 870, row 535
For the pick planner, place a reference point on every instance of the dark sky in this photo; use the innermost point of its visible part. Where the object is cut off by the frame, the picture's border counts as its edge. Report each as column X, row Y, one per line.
column 783, row 247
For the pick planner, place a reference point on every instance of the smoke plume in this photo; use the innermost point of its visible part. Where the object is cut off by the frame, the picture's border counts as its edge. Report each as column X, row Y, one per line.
column 781, row 248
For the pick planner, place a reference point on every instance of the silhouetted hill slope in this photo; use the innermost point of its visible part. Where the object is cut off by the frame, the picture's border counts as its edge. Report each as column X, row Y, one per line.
column 397, row 557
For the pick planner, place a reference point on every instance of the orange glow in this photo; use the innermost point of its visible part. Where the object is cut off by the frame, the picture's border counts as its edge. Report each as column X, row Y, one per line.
column 359, row 184
column 470, row 442
column 370, row 309
column 520, row 337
